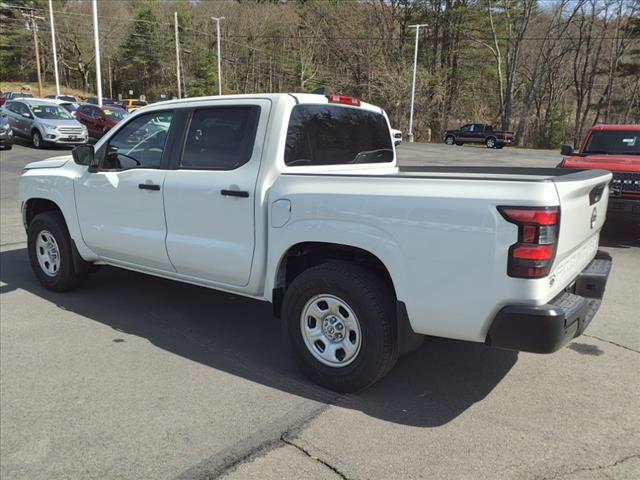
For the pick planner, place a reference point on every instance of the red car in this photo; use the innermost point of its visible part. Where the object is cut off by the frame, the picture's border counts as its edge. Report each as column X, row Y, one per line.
column 99, row 120
column 615, row 148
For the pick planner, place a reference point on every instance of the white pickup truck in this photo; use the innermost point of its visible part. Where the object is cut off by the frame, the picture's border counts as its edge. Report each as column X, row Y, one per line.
column 296, row 199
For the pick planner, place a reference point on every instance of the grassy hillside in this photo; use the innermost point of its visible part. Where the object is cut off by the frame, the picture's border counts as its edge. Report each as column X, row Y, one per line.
column 47, row 89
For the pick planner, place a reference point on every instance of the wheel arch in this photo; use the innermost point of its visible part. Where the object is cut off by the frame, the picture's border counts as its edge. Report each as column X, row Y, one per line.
column 304, row 255
column 34, row 206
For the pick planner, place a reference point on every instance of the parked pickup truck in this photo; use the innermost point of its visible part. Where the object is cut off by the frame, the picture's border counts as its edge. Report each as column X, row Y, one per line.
column 297, row 200
column 478, row 133
column 615, row 148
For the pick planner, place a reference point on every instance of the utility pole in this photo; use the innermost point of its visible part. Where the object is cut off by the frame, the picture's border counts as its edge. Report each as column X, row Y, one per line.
column 53, row 44
column 110, row 79
column 96, row 45
column 31, row 23
column 413, row 84
column 175, row 16
column 217, row 20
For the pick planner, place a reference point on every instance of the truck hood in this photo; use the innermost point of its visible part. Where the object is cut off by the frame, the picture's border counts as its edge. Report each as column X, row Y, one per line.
column 54, row 162
column 614, row 163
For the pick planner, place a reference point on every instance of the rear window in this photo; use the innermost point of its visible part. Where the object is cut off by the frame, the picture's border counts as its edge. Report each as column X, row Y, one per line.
column 221, row 138
column 334, row 135
column 139, row 103
column 613, row 142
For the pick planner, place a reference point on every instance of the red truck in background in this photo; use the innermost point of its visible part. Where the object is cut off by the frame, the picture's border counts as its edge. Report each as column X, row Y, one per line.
column 615, row 148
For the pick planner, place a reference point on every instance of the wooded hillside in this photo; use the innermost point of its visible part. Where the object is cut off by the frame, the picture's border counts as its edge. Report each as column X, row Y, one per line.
column 545, row 69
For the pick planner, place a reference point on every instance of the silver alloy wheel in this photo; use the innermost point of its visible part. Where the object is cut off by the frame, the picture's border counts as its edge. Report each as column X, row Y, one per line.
column 48, row 253
column 449, row 141
column 36, row 139
column 330, row 330
column 491, row 142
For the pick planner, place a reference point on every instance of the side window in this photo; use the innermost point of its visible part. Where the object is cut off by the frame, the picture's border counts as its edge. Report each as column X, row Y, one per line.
column 220, row 138
column 139, row 144
column 465, row 128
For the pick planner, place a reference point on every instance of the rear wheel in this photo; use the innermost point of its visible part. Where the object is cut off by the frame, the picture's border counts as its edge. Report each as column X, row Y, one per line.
column 342, row 325
column 490, row 142
column 450, row 140
column 51, row 253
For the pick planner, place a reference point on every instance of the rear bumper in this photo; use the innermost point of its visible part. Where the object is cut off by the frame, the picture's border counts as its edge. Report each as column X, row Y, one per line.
column 547, row 328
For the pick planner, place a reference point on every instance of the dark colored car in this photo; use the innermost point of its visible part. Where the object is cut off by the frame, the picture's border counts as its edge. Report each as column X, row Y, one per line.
column 6, row 134
column 478, row 133
column 5, row 97
column 105, row 101
column 66, row 98
column 615, row 148
column 99, row 120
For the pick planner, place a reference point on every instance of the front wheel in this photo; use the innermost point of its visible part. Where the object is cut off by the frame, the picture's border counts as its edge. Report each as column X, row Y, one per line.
column 36, row 139
column 51, row 253
column 342, row 325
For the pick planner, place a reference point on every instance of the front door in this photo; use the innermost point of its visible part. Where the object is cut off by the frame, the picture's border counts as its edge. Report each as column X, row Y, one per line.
column 210, row 194
column 120, row 207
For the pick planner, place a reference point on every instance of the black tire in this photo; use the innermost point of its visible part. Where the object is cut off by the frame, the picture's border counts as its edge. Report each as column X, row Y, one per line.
column 8, row 146
column 491, row 142
column 67, row 276
column 36, row 139
column 373, row 305
column 450, row 140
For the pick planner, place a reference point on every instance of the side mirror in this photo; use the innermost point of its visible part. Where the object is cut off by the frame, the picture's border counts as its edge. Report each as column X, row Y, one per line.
column 566, row 150
column 83, row 155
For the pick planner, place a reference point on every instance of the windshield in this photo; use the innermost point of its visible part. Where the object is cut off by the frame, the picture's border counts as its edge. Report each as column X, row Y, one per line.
column 139, row 103
column 114, row 114
column 50, row 112
column 69, row 107
column 67, row 98
column 613, row 142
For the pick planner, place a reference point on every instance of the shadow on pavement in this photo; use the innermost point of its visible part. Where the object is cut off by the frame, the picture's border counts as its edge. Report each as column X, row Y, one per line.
column 430, row 387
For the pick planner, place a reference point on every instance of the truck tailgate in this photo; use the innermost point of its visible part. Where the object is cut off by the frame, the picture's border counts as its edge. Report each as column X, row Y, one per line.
column 583, row 205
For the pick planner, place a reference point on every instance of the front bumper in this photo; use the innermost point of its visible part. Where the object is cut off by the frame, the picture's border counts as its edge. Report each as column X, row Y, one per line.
column 547, row 328
column 55, row 137
column 624, row 209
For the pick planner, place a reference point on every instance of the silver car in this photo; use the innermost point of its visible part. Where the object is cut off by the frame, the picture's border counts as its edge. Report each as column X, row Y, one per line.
column 45, row 123
column 6, row 134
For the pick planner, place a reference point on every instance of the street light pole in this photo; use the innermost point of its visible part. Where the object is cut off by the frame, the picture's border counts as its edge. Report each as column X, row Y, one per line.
column 217, row 20
column 175, row 14
column 53, row 44
column 413, row 84
column 96, row 45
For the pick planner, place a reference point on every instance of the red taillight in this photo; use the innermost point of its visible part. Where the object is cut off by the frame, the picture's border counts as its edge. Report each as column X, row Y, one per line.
column 533, row 254
column 530, row 215
column 344, row 100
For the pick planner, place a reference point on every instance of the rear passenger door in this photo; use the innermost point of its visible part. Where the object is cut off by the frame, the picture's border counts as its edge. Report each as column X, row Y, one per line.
column 209, row 194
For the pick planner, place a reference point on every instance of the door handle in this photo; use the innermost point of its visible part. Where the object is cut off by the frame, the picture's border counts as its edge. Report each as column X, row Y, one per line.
column 148, row 186
column 235, row 193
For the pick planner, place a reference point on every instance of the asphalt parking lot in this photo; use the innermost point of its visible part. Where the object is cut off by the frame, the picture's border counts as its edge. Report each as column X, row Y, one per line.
column 137, row 377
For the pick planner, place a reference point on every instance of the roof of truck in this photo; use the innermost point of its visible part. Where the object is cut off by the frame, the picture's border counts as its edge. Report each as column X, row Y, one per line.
column 307, row 98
